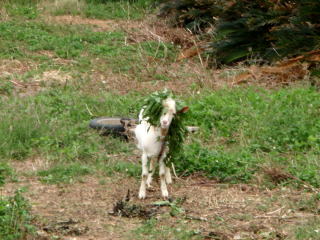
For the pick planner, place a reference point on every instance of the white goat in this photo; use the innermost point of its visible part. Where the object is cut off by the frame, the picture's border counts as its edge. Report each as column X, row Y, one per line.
column 151, row 140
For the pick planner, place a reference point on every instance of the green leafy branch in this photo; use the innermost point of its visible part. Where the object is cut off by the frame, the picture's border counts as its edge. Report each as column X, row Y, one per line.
column 177, row 131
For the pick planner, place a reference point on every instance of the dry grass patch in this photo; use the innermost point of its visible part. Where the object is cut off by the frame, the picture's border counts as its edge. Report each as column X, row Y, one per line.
column 12, row 70
column 4, row 16
column 153, row 29
column 98, row 25
column 53, row 77
column 150, row 29
column 8, row 68
column 30, row 165
column 56, row 6
column 152, row 75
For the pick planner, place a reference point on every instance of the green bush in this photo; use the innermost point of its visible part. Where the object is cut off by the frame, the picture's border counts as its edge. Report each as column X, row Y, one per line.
column 266, row 30
column 260, row 30
column 195, row 15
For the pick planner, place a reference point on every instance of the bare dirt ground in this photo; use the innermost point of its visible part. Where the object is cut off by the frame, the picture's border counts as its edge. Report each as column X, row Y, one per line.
column 216, row 211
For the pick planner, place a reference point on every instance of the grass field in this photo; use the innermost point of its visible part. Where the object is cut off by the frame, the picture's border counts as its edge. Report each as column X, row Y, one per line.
column 254, row 165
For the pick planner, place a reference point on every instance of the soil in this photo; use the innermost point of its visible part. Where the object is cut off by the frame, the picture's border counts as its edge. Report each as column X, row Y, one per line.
column 85, row 210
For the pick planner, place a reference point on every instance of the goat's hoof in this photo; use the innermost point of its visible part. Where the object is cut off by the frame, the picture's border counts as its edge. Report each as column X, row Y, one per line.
column 142, row 195
column 165, row 195
column 165, row 198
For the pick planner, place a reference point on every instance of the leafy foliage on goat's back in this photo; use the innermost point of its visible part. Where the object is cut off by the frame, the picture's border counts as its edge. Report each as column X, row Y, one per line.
column 153, row 107
column 176, row 136
column 153, row 110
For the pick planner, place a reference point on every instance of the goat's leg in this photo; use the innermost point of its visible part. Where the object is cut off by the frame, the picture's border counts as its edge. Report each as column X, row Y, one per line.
column 168, row 176
column 144, row 176
column 151, row 172
column 162, row 173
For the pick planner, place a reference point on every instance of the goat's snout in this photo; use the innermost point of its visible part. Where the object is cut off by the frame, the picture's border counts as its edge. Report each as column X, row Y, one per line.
column 164, row 122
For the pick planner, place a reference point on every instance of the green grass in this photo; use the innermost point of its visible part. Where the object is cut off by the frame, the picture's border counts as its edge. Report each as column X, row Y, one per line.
column 6, row 88
column 5, row 172
column 310, row 204
column 153, row 229
column 238, row 133
column 127, row 168
column 247, row 128
column 20, row 9
column 280, row 121
column 64, row 173
column 55, row 124
column 218, row 163
column 117, row 9
column 309, row 230
column 15, row 218
column 64, row 41
column 31, row 9
column 83, row 45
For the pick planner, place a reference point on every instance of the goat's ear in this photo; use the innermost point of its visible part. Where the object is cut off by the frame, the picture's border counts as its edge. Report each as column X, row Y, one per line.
column 183, row 110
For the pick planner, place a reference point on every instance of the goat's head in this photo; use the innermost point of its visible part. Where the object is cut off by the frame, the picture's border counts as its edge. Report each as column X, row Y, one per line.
column 169, row 110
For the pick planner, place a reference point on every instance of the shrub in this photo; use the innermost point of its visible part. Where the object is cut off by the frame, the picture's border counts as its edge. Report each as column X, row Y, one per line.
column 263, row 29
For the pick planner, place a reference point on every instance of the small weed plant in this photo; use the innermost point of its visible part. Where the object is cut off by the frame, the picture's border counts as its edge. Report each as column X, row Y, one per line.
column 15, row 218
column 5, row 171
